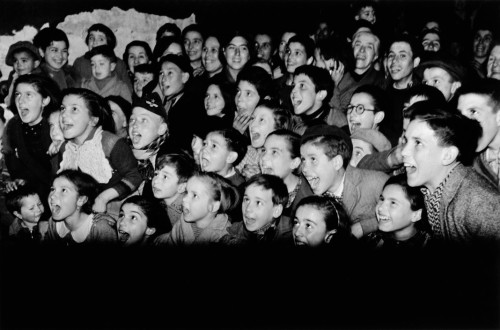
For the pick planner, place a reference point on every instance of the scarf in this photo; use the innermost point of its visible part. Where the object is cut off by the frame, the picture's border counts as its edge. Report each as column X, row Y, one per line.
column 146, row 168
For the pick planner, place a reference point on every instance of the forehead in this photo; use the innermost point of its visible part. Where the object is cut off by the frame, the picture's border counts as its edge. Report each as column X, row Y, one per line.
column 395, row 191
column 132, row 208
column 302, row 78
column 436, row 72
column 193, row 35
column 97, row 33
column 365, row 37
column 30, row 199
column 168, row 168
column 136, row 49
column 474, row 99
column 483, row 33
column 238, row 41
column 170, row 66
column 401, row 46
column 63, row 181
column 258, row 191
column 287, row 35
column 214, row 89
column 23, row 54
column 431, row 36
column 276, row 141
column 309, row 212
column 295, row 45
column 216, row 137
column 73, row 99
column 263, row 111
column 59, row 44
column 143, row 74
column 243, row 84
column 420, row 129
column 212, row 41
column 99, row 57
column 361, row 98
column 196, row 183
column 311, row 148
column 363, row 145
column 495, row 51
column 262, row 38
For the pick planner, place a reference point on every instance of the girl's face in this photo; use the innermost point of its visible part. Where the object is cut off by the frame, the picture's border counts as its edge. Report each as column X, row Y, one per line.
column 56, row 133
column 393, row 209
column 166, row 183
column 261, row 125
column 118, row 115
column 75, row 119
column 197, row 203
column 56, row 55
column 136, row 55
column 210, row 55
column 214, row 102
column 132, row 224
column 309, row 227
column 96, row 38
column 29, row 103
column 237, row 53
column 64, row 199
column 246, row 98
column 193, row 43
column 214, row 156
column 367, row 118
column 173, row 48
column 276, row 158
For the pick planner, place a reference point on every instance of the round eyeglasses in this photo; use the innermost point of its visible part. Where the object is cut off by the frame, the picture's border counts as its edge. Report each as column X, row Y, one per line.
column 359, row 109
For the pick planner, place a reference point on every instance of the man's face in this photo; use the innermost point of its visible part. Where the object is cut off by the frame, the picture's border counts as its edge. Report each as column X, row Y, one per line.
column 400, row 61
column 263, row 46
column 442, row 80
column 365, row 50
column 480, row 108
column 482, row 42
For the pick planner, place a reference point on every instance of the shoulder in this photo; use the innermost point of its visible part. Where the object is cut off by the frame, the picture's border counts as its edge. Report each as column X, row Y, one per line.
column 358, row 175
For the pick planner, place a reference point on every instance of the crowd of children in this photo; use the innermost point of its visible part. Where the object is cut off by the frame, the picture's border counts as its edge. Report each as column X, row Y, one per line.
column 355, row 137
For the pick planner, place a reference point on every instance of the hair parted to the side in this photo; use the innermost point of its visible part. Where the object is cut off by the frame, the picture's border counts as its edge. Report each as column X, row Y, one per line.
column 13, row 199
column 156, row 215
column 221, row 190
column 270, row 182
column 85, row 185
column 183, row 164
column 43, row 85
column 332, row 146
column 334, row 214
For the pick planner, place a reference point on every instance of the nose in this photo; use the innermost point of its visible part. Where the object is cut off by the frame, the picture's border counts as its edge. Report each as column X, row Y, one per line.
column 299, row 231
column 362, row 49
column 405, row 150
column 237, row 51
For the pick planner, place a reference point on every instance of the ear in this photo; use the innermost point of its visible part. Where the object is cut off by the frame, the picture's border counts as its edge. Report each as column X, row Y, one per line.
column 310, row 60
column 93, row 121
column 416, row 215
column 231, row 157
column 497, row 117
column 321, row 95
column 277, row 210
column 37, row 63
column 41, row 52
column 338, row 162
column 456, row 85
column 450, row 155
column 18, row 215
column 356, row 17
column 162, row 129
column 416, row 62
column 214, row 207
column 329, row 235
column 150, row 231
column 113, row 66
column 81, row 200
column 181, row 187
column 379, row 116
column 45, row 101
column 185, row 77
column 295, row 163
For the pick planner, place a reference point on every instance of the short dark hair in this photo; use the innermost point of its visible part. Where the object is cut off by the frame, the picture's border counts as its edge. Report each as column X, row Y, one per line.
column 85, row 185
column 156, row 215
column 334, row 213
column 379, row 96
column 332, row 146
column 193, row 28
column 45, row 37
column 222, row 190
column 14, row 198
column 416, row 47
column 270, row 182
column 258, row 77
column 305, row 41
column 104, row 50
column 430, row 93
column 44, row 85
column 281, row 116
column 170, row 27
column 235, row 141
column 110, row 36
column 320, row 78
column 183, row 164
column 488, row 87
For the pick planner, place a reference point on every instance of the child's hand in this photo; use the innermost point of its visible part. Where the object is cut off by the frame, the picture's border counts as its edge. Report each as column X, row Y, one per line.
column 54, row 147
column 13, row 185
column 337, row 71
column 99, row 205
column 241, row 122
column 357, row 230
column 250, row 170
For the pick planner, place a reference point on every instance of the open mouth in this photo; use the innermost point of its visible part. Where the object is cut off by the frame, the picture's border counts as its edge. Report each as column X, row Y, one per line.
column 313, row 182
column 123, row 236
column 136, row 138
column 55, row 209
column 266, row 170
column 255, row 136
column 355, row 126
column 410, row 169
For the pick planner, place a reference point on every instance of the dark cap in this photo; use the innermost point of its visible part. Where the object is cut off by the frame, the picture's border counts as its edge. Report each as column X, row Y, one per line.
column 20, row 46
column 182, row 61
column 326, row 130
column 443, row 61
column 151, row 102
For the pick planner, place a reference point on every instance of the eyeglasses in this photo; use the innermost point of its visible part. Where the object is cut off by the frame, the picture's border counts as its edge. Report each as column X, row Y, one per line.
column 360, row 109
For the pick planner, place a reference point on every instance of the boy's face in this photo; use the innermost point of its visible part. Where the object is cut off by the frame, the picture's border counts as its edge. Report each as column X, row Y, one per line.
column 29, row 103
column 320, row 171
column 166, row 183
column 118, row 116
column 136, row 55
column 64, row 200
column 145, row 127
column 423, row 157
column 141, row 79
column 31, row 209
column 442, row 80
column 246, row 98
column 364, row 47
column 258, row 208
column 368, row 119
column 480, row 108
column 215, row 156
column 295, row 56
column 482, row 42
column 97, row 38
column 400, row 61
column 56, row 55
column 263, row 46
column 56, row 133
column 132, row 224
column 305, row 98
column 493, row 66
column 276, row 158
column 360, row 149
column 24, row 62
column 284, row 41
column 214, row 101
column 172, row 79
column 197, row 203
column 394, row 213
column 309, row 227
column 431, row 42
column 261, row 125
column 102, row 67
column 193, row 43
column 367, row 13
column 237, row 53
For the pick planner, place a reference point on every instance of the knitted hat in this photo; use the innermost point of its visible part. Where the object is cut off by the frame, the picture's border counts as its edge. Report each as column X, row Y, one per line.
column 182, row 61
column 151, row 102
column 21, row 46
column 326, row 130
column 443, row 61
column 373, row 137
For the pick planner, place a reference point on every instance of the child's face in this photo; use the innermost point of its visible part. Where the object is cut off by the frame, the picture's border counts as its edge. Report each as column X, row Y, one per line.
column 305, row 99
column 75, row 118
column 166, row 183
column 431, row 42
column 173, row 48
column 56, row 133
column 31, row 209
column 320, row 171
column 493, row 66
column 132, row 224
column 215, row 156
column 29, row 103
column 367, row 118
column 482, row 42
column 258, row 208
column 246, row 98
column 442, row 80
column 368, row 14
column 144, row 127
column 295, row 56
column 141, row 79
column 284, row 41
column 197, row 202
column 276, row 158
column 97, row 38
column 136, row 55
column 263, row 46
column 102, row 67
column 64, row 200
column 193, row 43
column 359, row 150
column 365, row 50
column 214, row 102
column 56, row 55
column 423, row 156
column 118, row 115
column 196, row 146
column 261, row 125
column 309, row 227
column 172, row 79
column 24, row 63
column 400, row 61
column 481, row 108
column 210, row 55
column 237, row 53
column 394, row 213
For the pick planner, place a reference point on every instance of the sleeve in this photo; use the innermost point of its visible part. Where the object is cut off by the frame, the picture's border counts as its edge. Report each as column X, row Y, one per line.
column 376, row 161
column 369, row 223
column 104, row 231
column 122, row 159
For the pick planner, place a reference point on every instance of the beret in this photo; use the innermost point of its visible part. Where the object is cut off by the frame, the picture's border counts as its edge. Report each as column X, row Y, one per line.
column 373, row 137
column 20, row 46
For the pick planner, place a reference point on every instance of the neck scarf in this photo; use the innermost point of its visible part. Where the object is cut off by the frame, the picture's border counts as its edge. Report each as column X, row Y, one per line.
column 143, row 155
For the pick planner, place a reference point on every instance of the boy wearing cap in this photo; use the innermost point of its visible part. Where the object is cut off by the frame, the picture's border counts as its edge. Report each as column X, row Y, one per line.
column 365, row 141
column 325, row 151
